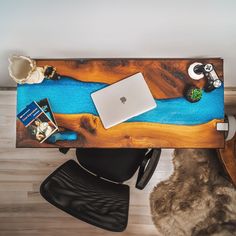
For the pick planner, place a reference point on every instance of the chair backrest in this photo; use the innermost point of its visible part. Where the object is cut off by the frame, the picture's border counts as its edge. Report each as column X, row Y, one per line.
column 86, row 197
column 116, row 165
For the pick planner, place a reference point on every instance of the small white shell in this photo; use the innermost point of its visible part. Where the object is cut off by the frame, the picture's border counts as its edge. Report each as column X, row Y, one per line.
column 36, row 77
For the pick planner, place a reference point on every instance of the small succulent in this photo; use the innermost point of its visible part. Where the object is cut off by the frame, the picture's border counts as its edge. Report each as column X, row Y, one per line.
column 193, row 94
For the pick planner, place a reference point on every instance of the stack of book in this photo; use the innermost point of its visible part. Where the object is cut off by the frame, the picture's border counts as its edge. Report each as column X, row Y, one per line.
column 38, row 119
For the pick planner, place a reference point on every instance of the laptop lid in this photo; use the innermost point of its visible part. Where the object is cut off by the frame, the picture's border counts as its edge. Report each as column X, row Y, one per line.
column 123, row 100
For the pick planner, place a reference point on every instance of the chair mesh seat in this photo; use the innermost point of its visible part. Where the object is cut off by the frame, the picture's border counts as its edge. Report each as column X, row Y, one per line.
column 86, row 197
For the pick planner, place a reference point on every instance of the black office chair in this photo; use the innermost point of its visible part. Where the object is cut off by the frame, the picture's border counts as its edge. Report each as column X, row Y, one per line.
column 92, row 190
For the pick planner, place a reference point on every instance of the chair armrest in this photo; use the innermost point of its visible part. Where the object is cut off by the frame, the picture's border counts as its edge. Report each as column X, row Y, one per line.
column 147, row 168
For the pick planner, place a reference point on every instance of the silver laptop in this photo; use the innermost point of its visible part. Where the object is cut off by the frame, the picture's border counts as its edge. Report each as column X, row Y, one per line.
column 123, row 100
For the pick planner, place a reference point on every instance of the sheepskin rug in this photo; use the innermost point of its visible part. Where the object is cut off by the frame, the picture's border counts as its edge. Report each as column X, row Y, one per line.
column 197, row 199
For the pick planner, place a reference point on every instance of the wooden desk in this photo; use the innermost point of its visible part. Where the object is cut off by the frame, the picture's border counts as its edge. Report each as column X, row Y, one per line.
column 176, row 123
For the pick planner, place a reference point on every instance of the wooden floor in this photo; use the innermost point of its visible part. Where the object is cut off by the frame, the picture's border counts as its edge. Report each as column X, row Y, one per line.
column 24, row 212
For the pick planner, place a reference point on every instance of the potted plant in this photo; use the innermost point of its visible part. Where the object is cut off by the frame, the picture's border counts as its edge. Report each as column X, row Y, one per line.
column 193, row 94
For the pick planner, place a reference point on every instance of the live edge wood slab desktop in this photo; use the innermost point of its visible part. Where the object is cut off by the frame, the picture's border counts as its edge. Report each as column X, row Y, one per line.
column 176, row 123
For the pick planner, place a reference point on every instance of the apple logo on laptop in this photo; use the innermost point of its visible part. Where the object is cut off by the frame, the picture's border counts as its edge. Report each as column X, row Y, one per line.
column 123, row 100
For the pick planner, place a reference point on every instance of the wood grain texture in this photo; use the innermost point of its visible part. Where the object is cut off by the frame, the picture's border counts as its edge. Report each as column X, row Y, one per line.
column 133, row 134
column 166, row 78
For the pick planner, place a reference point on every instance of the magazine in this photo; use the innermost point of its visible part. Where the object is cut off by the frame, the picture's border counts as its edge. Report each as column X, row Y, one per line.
column 38, row 124
column 45, row 106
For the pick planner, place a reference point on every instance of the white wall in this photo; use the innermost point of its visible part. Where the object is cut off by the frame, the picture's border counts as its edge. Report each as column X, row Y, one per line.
column 118, row 28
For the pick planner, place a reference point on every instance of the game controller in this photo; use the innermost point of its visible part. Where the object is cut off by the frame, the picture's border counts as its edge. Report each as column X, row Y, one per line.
column 198, row 70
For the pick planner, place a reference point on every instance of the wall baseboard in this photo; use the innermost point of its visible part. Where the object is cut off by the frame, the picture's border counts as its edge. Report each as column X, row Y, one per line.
column 232, row 89
column 230, row 96
column 7, row 88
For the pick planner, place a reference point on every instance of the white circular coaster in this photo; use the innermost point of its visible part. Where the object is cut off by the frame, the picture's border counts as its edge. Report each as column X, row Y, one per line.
column 191, row 72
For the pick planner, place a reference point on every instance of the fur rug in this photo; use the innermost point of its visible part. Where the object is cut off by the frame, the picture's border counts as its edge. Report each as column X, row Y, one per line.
column 196, row 199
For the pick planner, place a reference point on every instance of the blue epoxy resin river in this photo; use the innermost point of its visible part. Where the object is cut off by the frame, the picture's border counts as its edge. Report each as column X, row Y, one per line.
column 69, row 96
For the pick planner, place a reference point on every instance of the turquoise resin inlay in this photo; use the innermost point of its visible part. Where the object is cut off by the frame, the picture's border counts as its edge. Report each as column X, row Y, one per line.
column 69, row 96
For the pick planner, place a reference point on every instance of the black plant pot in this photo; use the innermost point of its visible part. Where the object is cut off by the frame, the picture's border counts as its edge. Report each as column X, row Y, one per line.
column 190, row 94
